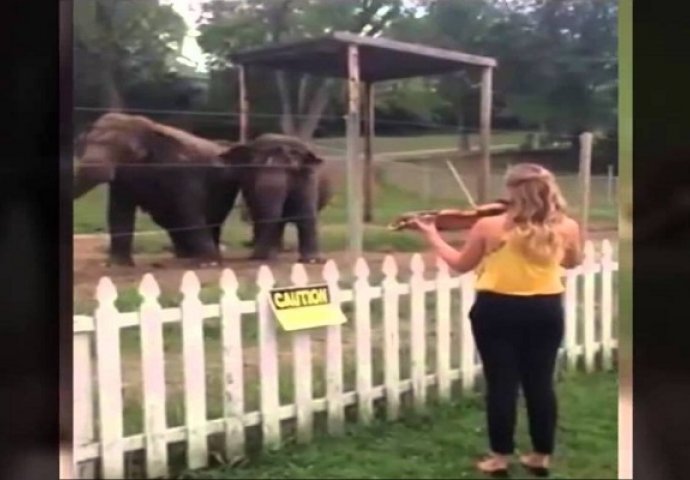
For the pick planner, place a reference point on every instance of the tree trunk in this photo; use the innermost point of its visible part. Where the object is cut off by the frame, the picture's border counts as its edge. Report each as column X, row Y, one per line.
column 287, row 120
column 319, row 100
column 111, row 95
column 302, row 93
column 463, row 135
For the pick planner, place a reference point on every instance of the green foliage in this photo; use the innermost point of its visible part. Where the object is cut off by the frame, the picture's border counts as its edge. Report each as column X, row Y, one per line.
column 124, row 47
column 557, row 60
column 233, row 26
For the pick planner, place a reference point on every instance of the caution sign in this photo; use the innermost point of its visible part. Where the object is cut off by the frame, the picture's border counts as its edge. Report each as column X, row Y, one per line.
column 299, row 308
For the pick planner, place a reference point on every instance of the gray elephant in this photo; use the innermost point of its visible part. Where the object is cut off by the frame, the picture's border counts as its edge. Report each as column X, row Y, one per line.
column 181, row 180
column 283, row 181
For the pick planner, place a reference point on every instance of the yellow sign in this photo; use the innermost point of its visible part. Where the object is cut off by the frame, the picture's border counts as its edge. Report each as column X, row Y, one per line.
column 299, row 308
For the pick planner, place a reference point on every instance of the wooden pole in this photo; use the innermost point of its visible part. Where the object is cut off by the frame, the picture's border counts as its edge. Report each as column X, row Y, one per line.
column 609, row 184
column 354, row 179
column 368, row 107
column 585, row 178
column 485, row 134
column 244, row 104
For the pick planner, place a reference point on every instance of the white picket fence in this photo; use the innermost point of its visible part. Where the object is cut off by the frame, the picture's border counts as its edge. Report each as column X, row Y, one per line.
column 98, row 382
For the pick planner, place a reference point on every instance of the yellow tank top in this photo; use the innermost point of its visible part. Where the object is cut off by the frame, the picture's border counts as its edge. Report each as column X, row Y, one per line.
column 507, row 271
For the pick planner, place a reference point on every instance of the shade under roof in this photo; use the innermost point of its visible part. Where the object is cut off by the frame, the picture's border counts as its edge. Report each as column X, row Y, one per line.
column 379, row 58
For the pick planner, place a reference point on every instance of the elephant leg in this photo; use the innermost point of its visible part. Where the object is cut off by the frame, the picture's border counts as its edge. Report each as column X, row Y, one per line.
column 307, row 235
column 121, row 218
column 280, row 234
column 180, row 244
column 267, row 222
column 303, row 206
column 280, row 240
column 195, row 240
column 218, row 210
column 192, row 235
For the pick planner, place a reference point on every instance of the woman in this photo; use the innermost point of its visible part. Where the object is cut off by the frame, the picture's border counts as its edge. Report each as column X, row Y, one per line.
column 517, row 318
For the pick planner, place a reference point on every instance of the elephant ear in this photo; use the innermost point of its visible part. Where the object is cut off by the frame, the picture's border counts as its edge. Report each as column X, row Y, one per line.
column 162, row 148
column 312, row 160
column 239, row 155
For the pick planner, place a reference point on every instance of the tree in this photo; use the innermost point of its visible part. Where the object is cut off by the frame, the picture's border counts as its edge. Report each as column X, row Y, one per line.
column 124, row 46
column 455, row 25
column 302, row 98
column 569, row 57
column 557, row 58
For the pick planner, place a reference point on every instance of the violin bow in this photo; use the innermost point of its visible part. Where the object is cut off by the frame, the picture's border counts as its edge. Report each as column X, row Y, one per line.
column 458, row 179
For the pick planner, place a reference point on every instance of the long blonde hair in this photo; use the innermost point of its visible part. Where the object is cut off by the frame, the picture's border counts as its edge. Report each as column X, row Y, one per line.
column 537, row 205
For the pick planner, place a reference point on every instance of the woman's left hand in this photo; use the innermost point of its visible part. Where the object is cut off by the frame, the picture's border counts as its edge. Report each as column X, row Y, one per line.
column 426, row 226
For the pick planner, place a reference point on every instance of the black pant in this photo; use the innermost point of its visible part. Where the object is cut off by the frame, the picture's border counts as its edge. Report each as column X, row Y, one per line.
column 518, row 339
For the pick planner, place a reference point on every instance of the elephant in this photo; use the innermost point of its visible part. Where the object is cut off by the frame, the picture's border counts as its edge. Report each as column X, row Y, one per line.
column 180, row 179
column 283, row 181
column 325, row 194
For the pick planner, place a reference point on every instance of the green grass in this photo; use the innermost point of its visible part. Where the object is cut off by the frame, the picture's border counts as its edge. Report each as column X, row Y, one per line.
column 445, row 442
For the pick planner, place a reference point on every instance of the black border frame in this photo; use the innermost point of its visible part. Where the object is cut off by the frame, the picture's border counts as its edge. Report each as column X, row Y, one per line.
column 34, row 257
column 30, row 245
column 661, row 258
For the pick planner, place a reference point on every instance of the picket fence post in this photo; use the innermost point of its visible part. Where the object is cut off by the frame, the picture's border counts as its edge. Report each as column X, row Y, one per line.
column 589, row 270
column 417, row 332
column 334, row 358
column 467, row 347
column 443, row 328
column 109, row 371
column 268, row 361
column 83, row 400
column 302, row 369
column 194, row 364
column 153, row 366
column 233, row 366
column 606, row 303
column 391, row 337
column 362, row 299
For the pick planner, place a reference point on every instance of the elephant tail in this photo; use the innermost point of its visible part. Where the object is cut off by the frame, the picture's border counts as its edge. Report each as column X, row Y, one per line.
column 89, row 175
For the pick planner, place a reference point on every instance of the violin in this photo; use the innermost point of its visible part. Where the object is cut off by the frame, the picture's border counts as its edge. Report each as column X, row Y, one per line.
column 449, row 219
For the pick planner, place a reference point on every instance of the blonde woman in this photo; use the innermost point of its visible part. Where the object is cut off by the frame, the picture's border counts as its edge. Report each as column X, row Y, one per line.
column 517, row 318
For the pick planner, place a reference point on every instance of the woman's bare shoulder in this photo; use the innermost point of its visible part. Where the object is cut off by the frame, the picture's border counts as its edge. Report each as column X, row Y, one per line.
column 493, row 225
column 570, row 227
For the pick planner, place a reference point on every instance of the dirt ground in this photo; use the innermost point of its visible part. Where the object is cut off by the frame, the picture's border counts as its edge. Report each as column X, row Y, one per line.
column 90, row 254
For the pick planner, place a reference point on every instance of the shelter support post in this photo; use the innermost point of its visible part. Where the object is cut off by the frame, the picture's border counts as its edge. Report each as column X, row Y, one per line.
column 368, row 107
column 485, row 134
column 585, row 178
column 354, row 165
column 244, row 104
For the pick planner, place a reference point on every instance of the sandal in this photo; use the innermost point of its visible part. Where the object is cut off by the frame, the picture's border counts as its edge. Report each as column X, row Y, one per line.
column 493, row 467
column 536, row 470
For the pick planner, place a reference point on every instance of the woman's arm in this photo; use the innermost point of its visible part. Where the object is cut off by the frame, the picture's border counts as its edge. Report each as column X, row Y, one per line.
column 466, row 258
column 574, row 241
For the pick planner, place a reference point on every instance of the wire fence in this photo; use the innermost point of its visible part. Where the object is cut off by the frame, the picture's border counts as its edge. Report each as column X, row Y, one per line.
column 224, row 116
column 410, row 173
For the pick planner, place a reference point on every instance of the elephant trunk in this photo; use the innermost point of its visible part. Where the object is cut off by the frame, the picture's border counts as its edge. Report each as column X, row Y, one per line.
column 89, row 175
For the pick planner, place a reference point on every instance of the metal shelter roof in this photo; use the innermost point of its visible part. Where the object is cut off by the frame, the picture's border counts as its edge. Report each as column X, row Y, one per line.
column 379, row 58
